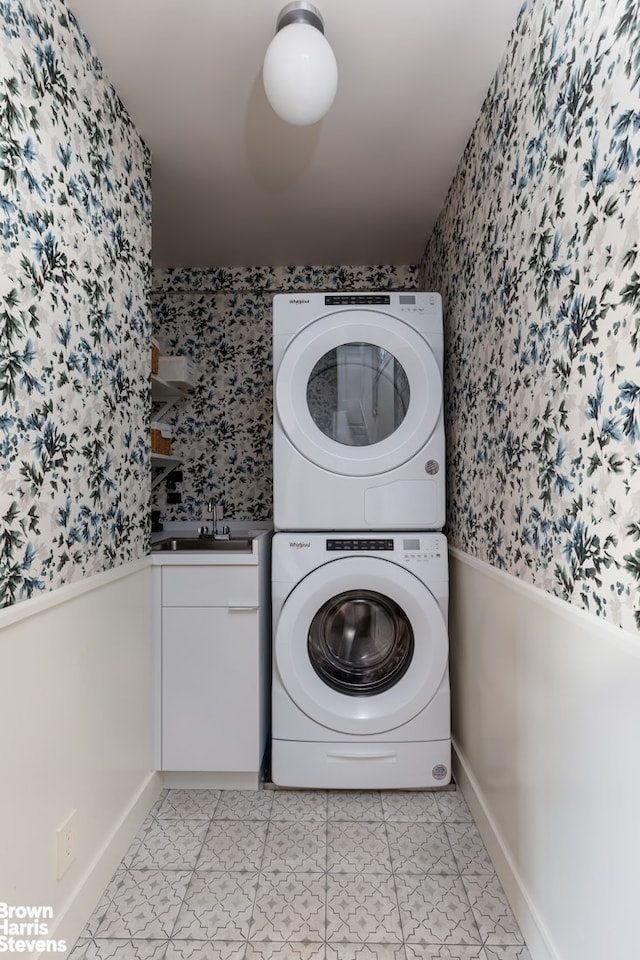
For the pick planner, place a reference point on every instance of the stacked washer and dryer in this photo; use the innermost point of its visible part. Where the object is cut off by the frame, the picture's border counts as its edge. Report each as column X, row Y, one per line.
column 360, row 586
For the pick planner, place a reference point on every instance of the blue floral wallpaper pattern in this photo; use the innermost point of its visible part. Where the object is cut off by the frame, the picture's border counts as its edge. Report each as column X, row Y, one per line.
column 536, row 255
column 222, row 431
column 75, row 271
column 278, row 279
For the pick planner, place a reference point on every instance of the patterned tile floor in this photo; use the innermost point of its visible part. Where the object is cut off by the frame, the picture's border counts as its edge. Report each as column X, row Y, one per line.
column 304, row 875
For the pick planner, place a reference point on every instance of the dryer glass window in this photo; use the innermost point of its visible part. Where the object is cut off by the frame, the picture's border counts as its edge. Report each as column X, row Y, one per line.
column 360, row 643
column 358, row 394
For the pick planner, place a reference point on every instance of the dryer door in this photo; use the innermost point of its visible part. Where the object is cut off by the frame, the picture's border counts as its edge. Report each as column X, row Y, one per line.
column 361, row 645
column 358, row 393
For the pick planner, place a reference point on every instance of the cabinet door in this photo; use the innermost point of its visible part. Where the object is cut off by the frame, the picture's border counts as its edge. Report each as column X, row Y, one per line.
column 210, row 689
column 209, row 586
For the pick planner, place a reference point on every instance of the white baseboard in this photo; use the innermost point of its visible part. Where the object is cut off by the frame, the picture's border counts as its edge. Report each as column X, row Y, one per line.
column 73, row 916
column 196, row 780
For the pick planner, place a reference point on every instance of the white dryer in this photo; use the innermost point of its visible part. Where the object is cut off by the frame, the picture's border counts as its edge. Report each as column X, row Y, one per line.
column 358, row 435
column 360, row 688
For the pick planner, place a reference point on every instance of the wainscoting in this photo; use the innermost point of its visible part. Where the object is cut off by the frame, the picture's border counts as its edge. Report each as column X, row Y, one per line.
column 75, row 692
column 546, row 719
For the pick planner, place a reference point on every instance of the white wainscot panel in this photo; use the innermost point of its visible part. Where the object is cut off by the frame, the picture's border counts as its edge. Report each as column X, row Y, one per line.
column 75, row 713
column 546, row 720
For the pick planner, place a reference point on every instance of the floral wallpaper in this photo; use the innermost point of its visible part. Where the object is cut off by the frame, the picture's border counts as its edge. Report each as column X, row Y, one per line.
column 536, row 254
column 75, row 240
column 222, row 431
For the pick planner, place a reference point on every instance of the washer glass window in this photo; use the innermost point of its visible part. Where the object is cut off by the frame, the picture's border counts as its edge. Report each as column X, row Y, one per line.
column 360, row 643
column 358, row 394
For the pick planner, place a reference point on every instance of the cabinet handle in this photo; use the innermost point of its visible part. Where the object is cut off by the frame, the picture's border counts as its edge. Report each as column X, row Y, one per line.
column 242, row 609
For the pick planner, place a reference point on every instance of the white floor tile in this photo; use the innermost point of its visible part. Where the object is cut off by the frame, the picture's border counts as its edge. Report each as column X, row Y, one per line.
column 355, row 805
column 304, row 875
column 420, row 848
column 413, row 806
column 290, row 950
column 170, row 845
column 299, row 805
column 119, row 950
column 492, row 912
column 357, row 847
column 188, row 804
column 362, row 908
column 296, row 847
column 366, row 951
column 468, row 849
column 519, row 952
column 234, row 845
column 435, row 909
column 144, row 905
column 244, row 805
column 453, row 806
column 289, row 906
column 434, row 951
column 217, row 906
column 205, row 950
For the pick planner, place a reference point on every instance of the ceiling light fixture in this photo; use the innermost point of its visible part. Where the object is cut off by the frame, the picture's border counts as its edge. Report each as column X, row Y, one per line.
column 300, row 73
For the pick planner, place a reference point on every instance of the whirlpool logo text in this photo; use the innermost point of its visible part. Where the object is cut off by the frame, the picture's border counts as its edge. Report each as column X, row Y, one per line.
column 299, row 544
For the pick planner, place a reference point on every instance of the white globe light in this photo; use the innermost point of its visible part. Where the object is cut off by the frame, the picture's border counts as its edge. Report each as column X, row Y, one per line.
column 300, row 74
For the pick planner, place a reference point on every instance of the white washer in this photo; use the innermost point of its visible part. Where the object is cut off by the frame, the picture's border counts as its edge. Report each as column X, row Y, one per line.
column 358, row 435
column 360, row 690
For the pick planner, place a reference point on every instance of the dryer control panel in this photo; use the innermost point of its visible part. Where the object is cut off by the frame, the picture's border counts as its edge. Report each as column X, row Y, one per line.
column 357, row 299
column 293, row 311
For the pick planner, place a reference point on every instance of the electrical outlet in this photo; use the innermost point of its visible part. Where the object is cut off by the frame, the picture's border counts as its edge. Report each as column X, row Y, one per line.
column 66, row 843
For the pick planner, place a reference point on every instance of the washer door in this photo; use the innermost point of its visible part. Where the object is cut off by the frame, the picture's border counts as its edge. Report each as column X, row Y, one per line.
column 358, row 393
column 361, row 645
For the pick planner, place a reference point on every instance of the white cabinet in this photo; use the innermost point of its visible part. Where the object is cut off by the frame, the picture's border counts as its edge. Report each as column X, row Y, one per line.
column 214, row 672
column 210, row 688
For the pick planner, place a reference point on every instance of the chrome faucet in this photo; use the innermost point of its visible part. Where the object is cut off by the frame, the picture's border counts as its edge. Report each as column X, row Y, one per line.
column 219, row 531
column 210, row 514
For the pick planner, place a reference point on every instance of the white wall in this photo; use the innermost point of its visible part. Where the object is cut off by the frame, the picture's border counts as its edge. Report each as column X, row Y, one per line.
column 75, row 716
column 547, row 725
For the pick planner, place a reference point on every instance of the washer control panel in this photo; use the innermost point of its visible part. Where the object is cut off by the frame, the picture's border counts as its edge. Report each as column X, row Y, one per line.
column 423, row 553
column 410, row 548
column 421, row 549
column 349, row 544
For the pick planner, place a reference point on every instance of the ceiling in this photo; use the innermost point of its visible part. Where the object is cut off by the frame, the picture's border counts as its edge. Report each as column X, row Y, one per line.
column 233, row 185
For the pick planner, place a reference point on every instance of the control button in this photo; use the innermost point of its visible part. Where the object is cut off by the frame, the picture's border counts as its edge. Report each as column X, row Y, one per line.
column 371, row 545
